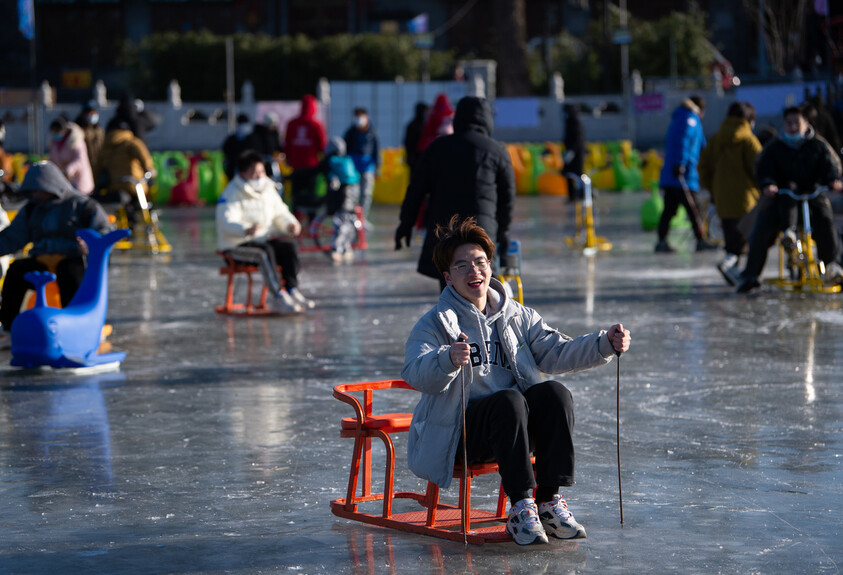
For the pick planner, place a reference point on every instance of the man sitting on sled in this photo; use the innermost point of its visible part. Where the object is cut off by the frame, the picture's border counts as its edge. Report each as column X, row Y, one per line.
column 511, row 410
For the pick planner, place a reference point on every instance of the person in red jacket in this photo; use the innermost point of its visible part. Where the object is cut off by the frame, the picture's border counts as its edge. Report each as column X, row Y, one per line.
column 439, row 122
column 304, row 143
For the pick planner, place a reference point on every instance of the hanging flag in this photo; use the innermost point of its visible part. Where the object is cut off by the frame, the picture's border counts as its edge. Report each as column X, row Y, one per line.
column 418, row 25
column 26, row 19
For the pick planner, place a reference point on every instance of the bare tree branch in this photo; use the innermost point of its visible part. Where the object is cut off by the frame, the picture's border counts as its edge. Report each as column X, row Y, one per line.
column 783, row 28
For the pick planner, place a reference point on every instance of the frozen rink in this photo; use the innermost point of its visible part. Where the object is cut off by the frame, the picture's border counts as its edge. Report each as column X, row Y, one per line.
column 216, row 447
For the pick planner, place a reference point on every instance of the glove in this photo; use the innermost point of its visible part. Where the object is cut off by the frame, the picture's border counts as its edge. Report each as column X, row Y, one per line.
column 678, row 171
column 403, row 233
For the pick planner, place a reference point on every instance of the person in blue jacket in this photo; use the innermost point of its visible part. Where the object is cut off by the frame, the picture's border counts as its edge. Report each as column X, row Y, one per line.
column 679, row 177
column 361, row 143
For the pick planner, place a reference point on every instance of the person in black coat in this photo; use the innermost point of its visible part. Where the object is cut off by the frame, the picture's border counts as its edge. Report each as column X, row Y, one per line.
column 466, row 173
column 235, row 144
column 132, row 112
column 574, row 150
column 801, row 160
column 413, row 133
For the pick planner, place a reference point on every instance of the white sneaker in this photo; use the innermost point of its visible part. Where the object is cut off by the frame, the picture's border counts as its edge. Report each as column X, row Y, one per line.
column 730, row 261
column 348, row 256
column 523, row 523
column 336, row 257
column 303, row 301
column 729, row 269
column 558, row 521
column 284, row 304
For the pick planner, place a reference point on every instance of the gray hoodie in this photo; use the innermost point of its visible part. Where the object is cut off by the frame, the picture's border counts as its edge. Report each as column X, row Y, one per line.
column 527, row 349
column 51, row 226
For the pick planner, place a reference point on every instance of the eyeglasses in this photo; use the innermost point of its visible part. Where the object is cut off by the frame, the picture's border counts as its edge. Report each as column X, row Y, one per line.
column 463, row 267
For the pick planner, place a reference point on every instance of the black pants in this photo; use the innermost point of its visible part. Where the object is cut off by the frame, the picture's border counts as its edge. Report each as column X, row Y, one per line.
column 780, row 213
column 304, row 193
column 277, row 253
column 508, row 425
column 576, row 190
column 673, row 198
column 735, row 240
column 69, row 274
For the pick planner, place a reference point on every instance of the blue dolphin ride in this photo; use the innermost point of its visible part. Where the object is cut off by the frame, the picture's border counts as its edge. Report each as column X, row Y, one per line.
column 69, row 336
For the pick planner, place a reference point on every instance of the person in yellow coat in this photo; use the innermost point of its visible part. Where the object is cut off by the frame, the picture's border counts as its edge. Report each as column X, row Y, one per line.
column 727, row 170
column 123, row 155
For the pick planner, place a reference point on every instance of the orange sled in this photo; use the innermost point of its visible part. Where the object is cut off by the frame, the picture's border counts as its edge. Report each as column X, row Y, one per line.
column 231, row 270
column 434, row 518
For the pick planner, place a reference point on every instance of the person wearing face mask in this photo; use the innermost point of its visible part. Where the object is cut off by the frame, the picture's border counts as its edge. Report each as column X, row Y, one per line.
column 123, row 155
column 69, row 152
column 727, row 170
column 88, row 119
column 679, row 177
column 250, row 218
column 361, row 143
column 235, row 144
column 468, row 173
column 801, row 160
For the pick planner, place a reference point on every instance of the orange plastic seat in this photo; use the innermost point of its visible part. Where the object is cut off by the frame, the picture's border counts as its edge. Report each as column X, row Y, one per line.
column 435, row 518
column 51, row 261
column 388, row 422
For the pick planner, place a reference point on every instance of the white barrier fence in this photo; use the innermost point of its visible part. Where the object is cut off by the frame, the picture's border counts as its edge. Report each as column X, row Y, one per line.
column 391, row 105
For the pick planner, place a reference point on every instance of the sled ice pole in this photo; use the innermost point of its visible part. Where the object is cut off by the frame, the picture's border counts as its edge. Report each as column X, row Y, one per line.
column 692, row 203
column 464, row 484
column 618, row 423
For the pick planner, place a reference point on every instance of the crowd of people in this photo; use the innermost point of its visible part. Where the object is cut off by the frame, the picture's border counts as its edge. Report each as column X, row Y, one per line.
column 744, row 176
column 462, row 193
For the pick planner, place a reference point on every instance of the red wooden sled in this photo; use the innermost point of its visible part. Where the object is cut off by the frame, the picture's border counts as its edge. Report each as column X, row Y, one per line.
column 434, row 518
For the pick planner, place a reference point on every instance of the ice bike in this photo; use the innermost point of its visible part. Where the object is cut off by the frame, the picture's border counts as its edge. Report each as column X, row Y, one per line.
column 799, row 268
column 143, row 223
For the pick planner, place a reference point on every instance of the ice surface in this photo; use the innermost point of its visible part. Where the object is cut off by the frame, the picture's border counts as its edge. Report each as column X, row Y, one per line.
column 216, row 447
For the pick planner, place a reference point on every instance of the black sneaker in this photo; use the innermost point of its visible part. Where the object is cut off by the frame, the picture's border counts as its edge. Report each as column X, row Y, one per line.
column 663, row 248
column 748, row 285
